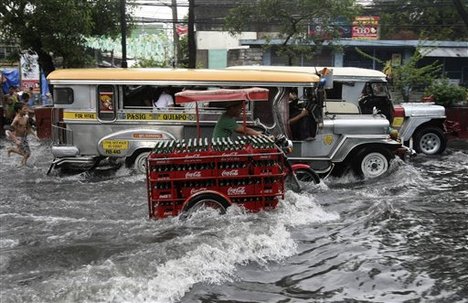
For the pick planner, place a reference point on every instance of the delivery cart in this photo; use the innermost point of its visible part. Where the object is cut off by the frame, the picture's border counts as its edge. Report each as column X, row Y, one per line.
column 185, row 175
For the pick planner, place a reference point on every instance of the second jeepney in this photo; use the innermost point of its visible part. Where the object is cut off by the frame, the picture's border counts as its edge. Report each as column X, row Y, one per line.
column 107, row 114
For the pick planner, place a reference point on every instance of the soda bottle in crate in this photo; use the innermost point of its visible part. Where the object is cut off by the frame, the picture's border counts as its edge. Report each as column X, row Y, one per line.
column 266, row 167
column 162, row 190
column 272, row 186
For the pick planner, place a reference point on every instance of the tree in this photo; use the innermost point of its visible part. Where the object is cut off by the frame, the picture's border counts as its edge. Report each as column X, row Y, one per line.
column 292, row 21
column 408, row 75
column 57, row 28
column 421, row 19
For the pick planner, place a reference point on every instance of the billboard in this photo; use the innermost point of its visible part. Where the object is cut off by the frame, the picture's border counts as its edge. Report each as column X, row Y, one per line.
column 30, row 72
column 362, row 27
column 366, row 27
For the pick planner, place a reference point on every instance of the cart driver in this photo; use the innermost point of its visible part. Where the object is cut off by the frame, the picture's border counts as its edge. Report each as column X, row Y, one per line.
column 227, row 123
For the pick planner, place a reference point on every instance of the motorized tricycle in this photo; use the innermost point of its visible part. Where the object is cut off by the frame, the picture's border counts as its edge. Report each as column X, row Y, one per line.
column 184, row 175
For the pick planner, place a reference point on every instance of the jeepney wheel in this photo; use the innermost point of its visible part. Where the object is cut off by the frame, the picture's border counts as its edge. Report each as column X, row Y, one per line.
column 430, row 141
column 371, row 162
column 138, row 162
column 307, row 175
column 204, row 201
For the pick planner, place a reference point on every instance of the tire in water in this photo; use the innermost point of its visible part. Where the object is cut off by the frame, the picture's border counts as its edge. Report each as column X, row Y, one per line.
column 430, row 141
column 371, row 162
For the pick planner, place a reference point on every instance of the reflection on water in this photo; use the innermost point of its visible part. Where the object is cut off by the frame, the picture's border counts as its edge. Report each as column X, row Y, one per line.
column 86, row 238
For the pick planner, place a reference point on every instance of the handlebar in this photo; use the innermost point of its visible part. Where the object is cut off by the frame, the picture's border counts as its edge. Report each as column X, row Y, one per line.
column 280, row 140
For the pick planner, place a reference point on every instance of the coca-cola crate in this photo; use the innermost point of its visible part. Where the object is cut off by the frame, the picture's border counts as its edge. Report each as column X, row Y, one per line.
column 237, row 190
column 266, row 170
column 155, row 175
column 193, row 174
column 273, row 156
column 164, row 209
column 162, row 194
column 275, row 188
column 186, row 192
column 190, row 154
column 270, row 203
column 231, row 156
column 233, row 172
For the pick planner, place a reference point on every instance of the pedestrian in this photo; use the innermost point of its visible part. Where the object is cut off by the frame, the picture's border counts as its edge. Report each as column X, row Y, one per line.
column 8, row 109
column 19, row 130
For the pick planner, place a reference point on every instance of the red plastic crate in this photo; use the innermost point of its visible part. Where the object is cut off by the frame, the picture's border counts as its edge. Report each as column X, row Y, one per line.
column 166, row 209
column 163, row 194
column 266, row 170
column 233, row 172
column 237, row 190
column 270, row 189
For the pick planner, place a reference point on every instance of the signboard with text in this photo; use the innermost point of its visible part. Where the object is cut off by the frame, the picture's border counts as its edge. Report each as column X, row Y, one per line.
column 365, row 27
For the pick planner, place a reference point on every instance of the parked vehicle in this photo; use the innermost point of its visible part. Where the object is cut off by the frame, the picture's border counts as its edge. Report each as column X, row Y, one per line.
column 104, row 114
column 358, row 90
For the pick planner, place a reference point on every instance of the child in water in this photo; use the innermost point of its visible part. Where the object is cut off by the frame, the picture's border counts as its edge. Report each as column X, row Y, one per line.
column 19, row 130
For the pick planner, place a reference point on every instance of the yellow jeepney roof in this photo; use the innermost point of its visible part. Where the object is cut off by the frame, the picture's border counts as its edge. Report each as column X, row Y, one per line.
column 128, row 75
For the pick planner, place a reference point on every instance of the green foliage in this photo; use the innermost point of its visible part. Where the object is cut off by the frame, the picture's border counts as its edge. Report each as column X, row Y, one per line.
column 150, row 63
column 445, row 93
column 408, row 75
column 58, row 27
column 291, row 20
column 420, row 19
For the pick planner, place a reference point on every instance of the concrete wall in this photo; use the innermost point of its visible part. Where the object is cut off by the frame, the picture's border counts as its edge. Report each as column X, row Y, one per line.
column 221, row 40
column 244, row 56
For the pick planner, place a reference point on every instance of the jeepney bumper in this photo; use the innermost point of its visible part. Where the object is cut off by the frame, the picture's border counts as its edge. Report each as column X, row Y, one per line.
column 69, row 155
column 59, row 151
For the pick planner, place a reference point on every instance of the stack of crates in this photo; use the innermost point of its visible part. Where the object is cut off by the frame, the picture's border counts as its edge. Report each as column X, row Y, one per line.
column 248, row 170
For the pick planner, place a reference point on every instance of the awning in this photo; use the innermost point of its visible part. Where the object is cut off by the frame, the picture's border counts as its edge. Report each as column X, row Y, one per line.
column 455, row 52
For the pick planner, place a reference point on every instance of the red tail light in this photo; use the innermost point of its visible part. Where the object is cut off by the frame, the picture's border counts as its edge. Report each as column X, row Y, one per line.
column 398, row 116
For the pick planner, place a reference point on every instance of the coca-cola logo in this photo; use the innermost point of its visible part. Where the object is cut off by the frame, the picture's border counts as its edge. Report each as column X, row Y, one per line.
column 196, row 190
column 192, row 156
column 193, row 174
column 230, row 173
column 234, row 191
column 229, row 154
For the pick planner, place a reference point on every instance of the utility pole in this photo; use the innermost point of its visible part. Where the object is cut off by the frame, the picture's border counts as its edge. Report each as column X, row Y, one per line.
column 175, row 36
column 123, row 30
column 192, row 47
column 461, row 11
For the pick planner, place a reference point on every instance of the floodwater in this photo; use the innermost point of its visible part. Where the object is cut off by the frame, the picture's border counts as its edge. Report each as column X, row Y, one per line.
column 86, row 238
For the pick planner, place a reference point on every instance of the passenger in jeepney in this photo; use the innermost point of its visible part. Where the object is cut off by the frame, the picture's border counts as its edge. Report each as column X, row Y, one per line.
column 164, row 100
column 227, row 123
column 302, row 127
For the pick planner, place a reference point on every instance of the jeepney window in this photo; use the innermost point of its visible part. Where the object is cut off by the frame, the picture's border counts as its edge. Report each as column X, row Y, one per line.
column 106, row 102
column 63, row 95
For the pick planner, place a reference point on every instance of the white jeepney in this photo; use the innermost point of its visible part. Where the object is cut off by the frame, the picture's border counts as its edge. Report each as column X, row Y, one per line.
column 420, row 125
column 107, row 114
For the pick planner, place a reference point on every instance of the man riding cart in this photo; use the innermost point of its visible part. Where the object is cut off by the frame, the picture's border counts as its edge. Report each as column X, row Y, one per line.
column 250, row 171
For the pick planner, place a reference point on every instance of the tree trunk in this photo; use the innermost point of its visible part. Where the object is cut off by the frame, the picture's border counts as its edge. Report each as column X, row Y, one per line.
column 192, row 47
column 45, row 62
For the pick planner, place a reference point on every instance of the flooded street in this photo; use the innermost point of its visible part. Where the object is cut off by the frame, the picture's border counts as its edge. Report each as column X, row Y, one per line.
column 86, row 238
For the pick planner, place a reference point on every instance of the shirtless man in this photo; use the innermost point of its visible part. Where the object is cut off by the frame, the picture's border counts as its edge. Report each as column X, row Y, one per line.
column 19, row 131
